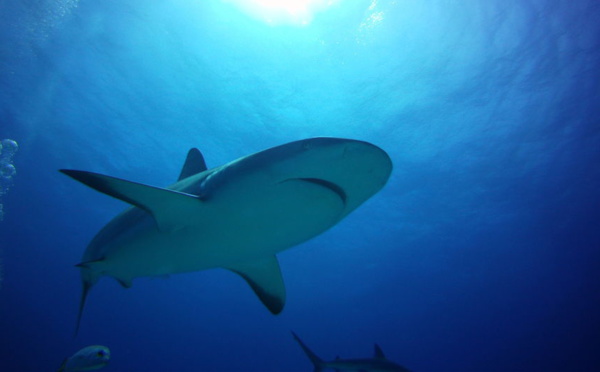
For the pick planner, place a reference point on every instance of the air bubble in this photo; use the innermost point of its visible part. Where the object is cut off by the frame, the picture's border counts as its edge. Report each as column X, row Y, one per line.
column 8, row 149
column 7, row 170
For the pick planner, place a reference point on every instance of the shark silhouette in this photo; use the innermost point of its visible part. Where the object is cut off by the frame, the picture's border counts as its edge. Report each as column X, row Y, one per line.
column 376, row 364
column 236, row 216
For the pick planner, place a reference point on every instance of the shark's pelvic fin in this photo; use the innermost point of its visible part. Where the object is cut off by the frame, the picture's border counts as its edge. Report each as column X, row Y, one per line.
column 194, row 164
column 378, row 352
column 169, row 208
column 125, row 283
column 264, row 276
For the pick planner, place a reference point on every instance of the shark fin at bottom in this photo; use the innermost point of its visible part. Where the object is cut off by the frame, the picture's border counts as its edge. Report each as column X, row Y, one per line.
column 264, row 277
column 378, row 353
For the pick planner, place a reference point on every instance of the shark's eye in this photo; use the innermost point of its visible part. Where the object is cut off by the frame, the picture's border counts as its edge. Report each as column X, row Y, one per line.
column 100, row 353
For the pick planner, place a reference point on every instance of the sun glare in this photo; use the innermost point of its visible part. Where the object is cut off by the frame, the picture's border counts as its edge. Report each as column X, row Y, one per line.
column 283, row 12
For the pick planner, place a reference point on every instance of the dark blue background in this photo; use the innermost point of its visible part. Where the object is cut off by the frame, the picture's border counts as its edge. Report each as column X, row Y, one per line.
column 481, row 253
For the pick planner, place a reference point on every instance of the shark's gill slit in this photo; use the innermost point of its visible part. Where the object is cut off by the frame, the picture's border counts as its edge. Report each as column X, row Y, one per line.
column 326, row 184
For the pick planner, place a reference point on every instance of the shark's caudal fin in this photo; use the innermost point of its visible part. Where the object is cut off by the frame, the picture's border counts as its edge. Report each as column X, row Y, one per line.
column 316, row 361
column 85, row 290
column 264, row 277
column 169, row 208
column 194, row 164
column 89, row 278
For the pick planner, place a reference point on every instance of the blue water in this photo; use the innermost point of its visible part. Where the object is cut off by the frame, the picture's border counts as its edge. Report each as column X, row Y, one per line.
column 481, row 253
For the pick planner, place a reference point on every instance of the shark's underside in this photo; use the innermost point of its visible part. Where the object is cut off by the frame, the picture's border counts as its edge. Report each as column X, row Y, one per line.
column 236, row 216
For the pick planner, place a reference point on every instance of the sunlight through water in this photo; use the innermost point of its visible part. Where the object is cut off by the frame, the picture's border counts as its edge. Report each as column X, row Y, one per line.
column 283, row 12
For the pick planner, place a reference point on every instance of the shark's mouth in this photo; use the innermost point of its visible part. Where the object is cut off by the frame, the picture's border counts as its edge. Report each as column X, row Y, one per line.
column 336, row 189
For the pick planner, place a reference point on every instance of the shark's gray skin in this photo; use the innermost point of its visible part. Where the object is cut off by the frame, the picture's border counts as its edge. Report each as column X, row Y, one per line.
column 236, row 216
column 376, row 364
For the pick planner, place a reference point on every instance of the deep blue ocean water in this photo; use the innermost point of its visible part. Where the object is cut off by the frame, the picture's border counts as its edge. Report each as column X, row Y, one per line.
column 481, row 253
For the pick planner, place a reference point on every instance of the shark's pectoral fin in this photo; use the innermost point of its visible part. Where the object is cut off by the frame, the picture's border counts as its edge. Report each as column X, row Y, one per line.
column 171, row 209
column 264, row 276
column 194, row 164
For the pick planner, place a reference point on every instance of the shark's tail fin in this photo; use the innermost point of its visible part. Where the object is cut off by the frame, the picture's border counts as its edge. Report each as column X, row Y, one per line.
column 88, row 279
column 316, row 361
column 84, row 293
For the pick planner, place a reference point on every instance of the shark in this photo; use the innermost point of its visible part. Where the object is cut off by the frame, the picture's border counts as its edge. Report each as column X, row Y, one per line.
column 236, row 216
column 378, row 363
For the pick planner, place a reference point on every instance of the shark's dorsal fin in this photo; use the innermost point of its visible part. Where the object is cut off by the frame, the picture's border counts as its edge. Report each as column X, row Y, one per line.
column 264, row 276
column 169, row 208
column 378, row 352
column 194, row 164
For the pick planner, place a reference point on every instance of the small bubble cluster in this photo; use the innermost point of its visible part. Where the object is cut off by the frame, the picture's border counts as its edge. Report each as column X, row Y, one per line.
column 8, row 149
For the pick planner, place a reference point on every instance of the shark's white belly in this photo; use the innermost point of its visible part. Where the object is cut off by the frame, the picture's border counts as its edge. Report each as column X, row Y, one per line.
column 232, row 227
